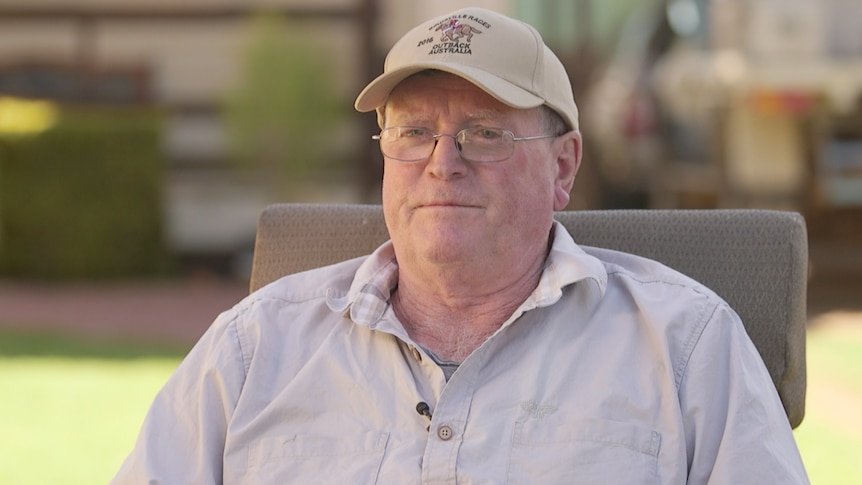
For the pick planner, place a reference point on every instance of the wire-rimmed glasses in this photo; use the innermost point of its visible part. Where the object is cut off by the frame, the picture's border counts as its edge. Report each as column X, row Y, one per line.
column 480, row 144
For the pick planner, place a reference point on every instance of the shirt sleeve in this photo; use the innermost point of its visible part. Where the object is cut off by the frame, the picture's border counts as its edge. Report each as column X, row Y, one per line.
column 736, row 429
column 183, row 435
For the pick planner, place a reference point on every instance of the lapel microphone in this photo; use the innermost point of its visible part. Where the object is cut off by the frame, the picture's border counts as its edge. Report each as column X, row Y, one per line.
column 423, row 409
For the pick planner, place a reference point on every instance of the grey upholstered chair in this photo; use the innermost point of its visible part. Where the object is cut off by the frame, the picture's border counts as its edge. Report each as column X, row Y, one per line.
column 757, row 260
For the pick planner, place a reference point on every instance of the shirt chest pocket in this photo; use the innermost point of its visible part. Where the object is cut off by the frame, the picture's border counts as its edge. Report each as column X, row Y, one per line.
column 583, row 452
column 307, row 458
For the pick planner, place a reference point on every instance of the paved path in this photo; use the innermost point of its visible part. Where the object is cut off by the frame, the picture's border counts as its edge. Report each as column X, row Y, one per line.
column 173, row 311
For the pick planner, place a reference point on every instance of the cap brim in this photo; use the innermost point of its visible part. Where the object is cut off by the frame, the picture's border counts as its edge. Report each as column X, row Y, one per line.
column 375, row 94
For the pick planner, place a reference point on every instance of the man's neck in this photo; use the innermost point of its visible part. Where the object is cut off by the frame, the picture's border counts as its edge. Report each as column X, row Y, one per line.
column 453, row 317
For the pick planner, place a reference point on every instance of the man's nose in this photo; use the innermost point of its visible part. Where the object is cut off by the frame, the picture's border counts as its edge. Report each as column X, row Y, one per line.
column 445, row 161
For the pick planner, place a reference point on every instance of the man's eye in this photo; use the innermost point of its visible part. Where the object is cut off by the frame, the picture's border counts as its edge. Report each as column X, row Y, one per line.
column 414, row 133
column 487, row 134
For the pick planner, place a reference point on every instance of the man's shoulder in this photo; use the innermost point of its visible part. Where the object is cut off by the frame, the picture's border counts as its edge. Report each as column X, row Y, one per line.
column 667, row 302
column 646, row 273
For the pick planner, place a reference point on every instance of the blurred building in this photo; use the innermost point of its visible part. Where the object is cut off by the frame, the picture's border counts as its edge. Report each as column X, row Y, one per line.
column 186, row 57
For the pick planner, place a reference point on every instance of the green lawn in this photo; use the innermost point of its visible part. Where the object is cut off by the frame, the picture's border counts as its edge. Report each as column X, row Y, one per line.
column 71, row 409
column 830, row 436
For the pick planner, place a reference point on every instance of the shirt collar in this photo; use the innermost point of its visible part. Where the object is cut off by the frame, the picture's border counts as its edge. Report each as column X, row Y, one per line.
column 567, row 264
column 371, row 289
column 372, row 286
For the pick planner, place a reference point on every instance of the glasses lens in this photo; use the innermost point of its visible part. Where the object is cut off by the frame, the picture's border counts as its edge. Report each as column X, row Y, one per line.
column 485, row 144
column 406, row 143
column 411, row 144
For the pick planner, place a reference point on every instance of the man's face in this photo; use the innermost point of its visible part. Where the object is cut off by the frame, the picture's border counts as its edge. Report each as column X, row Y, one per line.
column 447, row 210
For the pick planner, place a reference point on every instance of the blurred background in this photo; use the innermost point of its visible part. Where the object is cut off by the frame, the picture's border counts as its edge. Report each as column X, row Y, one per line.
column 143, row 138
column 139, row 141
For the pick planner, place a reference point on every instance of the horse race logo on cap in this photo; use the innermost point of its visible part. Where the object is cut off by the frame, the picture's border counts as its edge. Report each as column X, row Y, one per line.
column 455, row 35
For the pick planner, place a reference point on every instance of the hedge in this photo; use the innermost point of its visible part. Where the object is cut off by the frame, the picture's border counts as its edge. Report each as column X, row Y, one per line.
column 82, row 200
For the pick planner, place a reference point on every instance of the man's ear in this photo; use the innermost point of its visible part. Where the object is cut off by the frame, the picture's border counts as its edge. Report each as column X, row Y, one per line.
column 568, row 162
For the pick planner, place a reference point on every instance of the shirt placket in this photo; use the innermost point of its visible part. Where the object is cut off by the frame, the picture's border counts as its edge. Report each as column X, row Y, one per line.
column 449, row 421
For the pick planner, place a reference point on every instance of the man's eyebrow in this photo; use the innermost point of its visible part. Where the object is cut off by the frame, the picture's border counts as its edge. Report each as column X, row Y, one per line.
column 421, row 118
column 412, row 118
column 483, row 115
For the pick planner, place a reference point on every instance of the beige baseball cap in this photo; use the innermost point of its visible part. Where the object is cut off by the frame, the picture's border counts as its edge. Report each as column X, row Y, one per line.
column 504, row 57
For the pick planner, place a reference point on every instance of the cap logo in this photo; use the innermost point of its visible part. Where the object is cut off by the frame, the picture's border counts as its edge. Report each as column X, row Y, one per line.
column 455, row 36
column 453, row 29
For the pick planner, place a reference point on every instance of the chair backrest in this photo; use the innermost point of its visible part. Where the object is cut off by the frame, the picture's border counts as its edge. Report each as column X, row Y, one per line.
column 757, row 260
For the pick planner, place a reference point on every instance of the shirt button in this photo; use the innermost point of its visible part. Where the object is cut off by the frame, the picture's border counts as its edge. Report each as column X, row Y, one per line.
column 416, row 354
column 444, row 432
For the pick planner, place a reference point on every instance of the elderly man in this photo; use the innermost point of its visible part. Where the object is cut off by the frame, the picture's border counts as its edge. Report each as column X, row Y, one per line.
column 480, row 344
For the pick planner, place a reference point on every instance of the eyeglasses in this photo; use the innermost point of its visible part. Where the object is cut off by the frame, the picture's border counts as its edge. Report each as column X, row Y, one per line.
column 484, row 145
